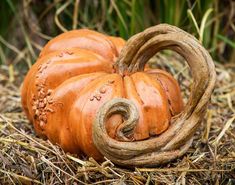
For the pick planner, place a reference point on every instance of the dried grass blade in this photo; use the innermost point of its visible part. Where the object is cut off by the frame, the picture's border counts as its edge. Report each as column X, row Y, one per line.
column 226, row 127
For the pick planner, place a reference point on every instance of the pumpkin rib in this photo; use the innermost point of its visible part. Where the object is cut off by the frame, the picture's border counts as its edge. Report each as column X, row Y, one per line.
column 151, row 108
column 118, row 42
column 61, row 96
column 164, row 124
column 74, row 81
column 108, row 41
column 167, row 82
column 88, row 88
column 132, row 94
column 86, row 39
column 83, row 66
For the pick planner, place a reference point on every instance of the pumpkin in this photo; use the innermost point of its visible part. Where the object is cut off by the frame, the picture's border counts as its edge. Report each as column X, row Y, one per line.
column 91, row 93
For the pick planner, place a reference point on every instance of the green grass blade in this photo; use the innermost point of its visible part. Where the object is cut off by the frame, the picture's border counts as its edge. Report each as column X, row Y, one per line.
column 11, row 5
column 203, row 23
column 122, row 21
column 194, row 20
column 226, row 40
column 133, row 15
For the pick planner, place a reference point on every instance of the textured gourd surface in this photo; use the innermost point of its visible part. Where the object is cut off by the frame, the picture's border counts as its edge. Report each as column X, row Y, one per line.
column 75, row 75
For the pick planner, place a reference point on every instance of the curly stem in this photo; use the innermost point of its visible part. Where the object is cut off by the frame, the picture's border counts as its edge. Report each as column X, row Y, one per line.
column 175, row 141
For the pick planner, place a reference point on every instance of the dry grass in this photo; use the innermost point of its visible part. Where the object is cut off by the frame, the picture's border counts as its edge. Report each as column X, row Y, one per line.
column 27, row 159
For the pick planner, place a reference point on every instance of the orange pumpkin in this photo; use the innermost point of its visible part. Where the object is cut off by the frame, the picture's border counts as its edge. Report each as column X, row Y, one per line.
column 76, row 74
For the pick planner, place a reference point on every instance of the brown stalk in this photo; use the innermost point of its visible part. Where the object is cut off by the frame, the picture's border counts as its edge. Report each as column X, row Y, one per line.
column 177, row 139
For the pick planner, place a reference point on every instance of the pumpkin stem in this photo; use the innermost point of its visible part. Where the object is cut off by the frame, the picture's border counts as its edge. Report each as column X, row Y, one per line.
column 127, row 110
column 175, row 141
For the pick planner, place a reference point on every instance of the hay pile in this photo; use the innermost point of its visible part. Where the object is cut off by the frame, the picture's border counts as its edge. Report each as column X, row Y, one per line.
column 27, row 159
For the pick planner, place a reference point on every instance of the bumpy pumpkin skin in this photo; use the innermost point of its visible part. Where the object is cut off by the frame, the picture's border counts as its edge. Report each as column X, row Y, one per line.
column 75, row 75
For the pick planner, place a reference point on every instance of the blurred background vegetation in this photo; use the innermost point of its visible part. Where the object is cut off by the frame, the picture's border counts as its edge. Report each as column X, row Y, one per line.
column 26, row 25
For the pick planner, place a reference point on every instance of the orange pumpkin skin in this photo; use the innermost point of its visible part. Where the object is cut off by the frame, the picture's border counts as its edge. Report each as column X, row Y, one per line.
column 74, row 76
